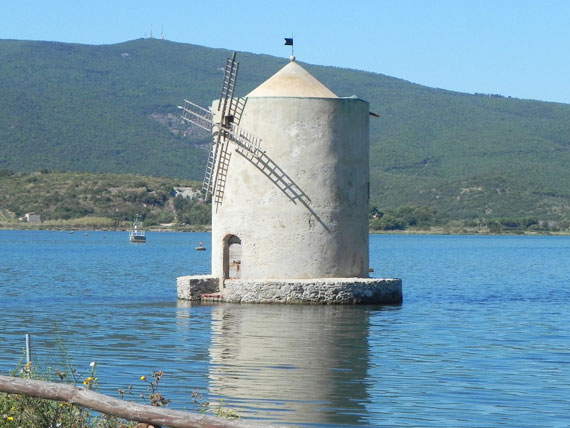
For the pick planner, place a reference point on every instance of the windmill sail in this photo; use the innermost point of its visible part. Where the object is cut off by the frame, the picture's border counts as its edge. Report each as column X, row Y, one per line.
column 227, row 101
column 225, row 130
column 244, row 138
column 242, row 141
column 227, row 107
column 197, row 115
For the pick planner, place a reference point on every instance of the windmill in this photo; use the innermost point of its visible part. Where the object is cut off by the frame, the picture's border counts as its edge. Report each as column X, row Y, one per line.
column 295, row 210
column 224, row 131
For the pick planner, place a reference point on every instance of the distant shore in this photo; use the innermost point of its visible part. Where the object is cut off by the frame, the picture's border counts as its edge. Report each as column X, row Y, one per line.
column 197, row 228
column 207, row 228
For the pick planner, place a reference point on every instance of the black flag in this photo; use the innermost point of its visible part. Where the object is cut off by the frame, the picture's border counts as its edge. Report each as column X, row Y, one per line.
column 288, row 42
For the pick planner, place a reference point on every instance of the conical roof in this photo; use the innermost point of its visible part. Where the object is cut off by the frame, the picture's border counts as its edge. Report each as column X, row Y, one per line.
column 292, row 81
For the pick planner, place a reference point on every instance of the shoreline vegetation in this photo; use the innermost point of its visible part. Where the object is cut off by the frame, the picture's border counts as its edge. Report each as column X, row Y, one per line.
column 79, row 201
column 454, row 227
column 31, row 396
column 447, row 230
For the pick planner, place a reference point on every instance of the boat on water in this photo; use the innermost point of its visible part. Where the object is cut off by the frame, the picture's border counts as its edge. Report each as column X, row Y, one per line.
column 137, row 233
column 200, row 247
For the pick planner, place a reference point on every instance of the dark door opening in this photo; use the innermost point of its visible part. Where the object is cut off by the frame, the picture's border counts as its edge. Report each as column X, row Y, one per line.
column 232, row 257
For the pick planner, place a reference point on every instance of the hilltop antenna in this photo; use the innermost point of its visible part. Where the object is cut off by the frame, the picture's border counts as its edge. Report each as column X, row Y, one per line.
column 162, row 36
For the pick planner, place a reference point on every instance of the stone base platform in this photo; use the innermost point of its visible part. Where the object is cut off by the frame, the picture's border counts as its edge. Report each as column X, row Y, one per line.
column 194, row 286
column 340, row 291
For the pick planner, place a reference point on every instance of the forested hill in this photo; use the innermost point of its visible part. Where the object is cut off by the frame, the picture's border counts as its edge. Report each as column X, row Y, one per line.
column 113, row 108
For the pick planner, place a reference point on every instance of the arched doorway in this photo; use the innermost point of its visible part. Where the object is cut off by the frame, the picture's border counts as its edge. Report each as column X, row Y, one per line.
column 232, row 257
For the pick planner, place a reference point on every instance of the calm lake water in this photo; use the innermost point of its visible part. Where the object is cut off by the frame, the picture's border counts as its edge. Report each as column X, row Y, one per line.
column 482, row 338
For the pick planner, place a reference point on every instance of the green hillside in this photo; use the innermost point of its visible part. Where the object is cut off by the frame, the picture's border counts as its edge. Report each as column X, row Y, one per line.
column 87, row 200
column 112, row 109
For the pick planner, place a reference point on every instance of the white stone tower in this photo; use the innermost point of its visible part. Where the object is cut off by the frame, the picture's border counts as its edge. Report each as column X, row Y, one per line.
column 289, row 178
column 305, row 215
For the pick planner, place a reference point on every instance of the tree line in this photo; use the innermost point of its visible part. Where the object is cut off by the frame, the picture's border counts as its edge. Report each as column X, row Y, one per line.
column 426, row 218
column 110, row 200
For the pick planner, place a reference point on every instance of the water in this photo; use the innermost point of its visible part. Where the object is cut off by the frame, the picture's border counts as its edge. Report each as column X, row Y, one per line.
column 482, row 338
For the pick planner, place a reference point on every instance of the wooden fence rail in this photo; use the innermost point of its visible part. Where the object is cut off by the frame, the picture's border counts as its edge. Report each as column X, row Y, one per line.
column 157, row 416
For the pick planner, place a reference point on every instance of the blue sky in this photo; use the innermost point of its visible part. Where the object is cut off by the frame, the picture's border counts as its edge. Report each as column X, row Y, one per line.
column 514, row 48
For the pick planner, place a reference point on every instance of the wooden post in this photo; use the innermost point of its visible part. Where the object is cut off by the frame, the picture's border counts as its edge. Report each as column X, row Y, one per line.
column 157, row 416
column 28, row 349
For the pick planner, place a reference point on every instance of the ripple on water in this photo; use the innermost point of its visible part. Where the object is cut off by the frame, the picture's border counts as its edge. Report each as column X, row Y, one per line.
column 480, row 340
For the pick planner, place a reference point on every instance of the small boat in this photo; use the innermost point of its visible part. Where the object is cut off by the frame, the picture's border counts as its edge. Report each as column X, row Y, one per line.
column 137, row 234
column 200, row 247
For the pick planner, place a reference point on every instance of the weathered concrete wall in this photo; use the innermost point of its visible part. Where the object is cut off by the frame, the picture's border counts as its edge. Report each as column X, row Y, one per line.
column 321, row 144
column 321, row 291
column 192, row 287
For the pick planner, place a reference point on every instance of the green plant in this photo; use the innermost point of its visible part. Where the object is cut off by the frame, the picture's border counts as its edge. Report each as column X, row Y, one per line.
column 198, row 401
column 222, row 412
column 20, row 411
column 155, row 397
column 30, row 412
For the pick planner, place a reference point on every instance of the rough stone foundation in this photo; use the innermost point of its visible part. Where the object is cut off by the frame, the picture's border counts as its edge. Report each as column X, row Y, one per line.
column 193, row 287
column 342, row 291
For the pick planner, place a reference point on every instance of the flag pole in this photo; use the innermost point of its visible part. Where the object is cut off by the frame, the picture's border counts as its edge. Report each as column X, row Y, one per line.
column 289, row 42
